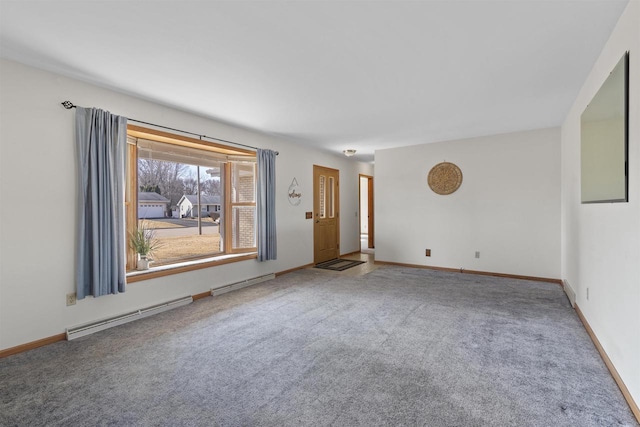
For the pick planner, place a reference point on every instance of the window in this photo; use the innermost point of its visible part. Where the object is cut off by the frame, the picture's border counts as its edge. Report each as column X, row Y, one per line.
column 243, row 205
column 210, row 194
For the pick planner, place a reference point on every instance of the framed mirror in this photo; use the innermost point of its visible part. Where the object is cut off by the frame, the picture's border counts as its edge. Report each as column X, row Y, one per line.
column 604, row 135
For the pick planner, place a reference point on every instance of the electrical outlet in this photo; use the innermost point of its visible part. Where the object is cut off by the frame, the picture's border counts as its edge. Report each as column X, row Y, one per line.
column 587, row 294
column 427, row 252
column 477, row 254
column 71, row 299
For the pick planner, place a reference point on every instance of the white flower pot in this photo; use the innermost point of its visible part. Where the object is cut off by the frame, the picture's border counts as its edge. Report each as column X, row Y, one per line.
column 143, row 262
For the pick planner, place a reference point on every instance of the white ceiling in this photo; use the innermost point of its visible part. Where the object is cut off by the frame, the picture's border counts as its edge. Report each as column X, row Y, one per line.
column 353, row 74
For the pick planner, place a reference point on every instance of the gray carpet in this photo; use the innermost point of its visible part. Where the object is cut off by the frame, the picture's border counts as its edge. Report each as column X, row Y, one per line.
column 397, row 346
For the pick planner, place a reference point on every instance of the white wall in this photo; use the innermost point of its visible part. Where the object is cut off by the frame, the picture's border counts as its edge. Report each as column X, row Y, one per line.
column 508, row 206
column 601, row 242
column 37, row 160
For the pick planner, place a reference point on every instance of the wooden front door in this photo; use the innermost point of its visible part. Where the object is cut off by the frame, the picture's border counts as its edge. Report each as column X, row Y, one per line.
column 326, row 214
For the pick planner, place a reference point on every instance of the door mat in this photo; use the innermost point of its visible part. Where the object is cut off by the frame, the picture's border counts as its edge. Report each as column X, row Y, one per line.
column 338, row 264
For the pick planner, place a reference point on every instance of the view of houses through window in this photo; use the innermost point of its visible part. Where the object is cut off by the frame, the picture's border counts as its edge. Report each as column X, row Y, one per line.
column 199, row 203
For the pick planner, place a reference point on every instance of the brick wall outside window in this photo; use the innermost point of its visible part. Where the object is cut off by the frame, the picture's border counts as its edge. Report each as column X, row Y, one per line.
column 244, row 217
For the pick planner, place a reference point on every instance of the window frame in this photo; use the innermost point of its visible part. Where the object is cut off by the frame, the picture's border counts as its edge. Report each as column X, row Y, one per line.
column 131, row 204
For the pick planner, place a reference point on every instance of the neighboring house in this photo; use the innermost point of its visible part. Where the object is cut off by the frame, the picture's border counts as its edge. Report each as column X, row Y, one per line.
column 188, row 205
column 151, row 205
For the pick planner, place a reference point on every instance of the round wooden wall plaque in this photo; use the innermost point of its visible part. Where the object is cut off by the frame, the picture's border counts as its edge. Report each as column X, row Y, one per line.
column 445, row 178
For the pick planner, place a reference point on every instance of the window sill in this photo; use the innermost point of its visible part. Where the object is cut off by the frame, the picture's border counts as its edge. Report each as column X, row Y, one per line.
column 167, row 270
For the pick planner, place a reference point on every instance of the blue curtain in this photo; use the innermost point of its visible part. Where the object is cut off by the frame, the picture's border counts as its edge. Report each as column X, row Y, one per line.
column 266, row 205
column 101, row 140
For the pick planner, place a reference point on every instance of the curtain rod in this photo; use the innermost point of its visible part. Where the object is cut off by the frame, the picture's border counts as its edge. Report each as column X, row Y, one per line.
column 69, row 105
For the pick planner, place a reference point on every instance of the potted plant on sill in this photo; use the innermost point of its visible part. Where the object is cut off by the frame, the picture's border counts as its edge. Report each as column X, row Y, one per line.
column 144, row 242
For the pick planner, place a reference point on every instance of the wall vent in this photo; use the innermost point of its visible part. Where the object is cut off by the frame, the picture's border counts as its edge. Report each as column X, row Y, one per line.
column 242, row 284
column 90, row 328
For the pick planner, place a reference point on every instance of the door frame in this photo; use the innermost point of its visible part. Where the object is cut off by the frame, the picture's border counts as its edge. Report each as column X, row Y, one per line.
column 337, row 208
column 370, row 220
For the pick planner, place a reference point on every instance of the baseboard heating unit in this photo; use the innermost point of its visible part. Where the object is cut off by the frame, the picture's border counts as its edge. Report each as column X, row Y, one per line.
column 90, row 328
column 242, row 284
column 571, row 294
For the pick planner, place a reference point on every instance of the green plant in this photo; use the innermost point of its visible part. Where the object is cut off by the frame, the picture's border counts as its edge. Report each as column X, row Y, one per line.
column 143, row 239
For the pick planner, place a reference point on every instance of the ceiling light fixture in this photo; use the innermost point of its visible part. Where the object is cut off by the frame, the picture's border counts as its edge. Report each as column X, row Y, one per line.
column 349, row 152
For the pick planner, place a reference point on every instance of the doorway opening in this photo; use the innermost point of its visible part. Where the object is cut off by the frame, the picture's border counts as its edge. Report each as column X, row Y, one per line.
column 367, row 242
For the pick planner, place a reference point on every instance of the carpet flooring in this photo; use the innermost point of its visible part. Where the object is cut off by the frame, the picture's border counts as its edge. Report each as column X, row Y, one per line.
column 397, row 346
column 338, row 264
